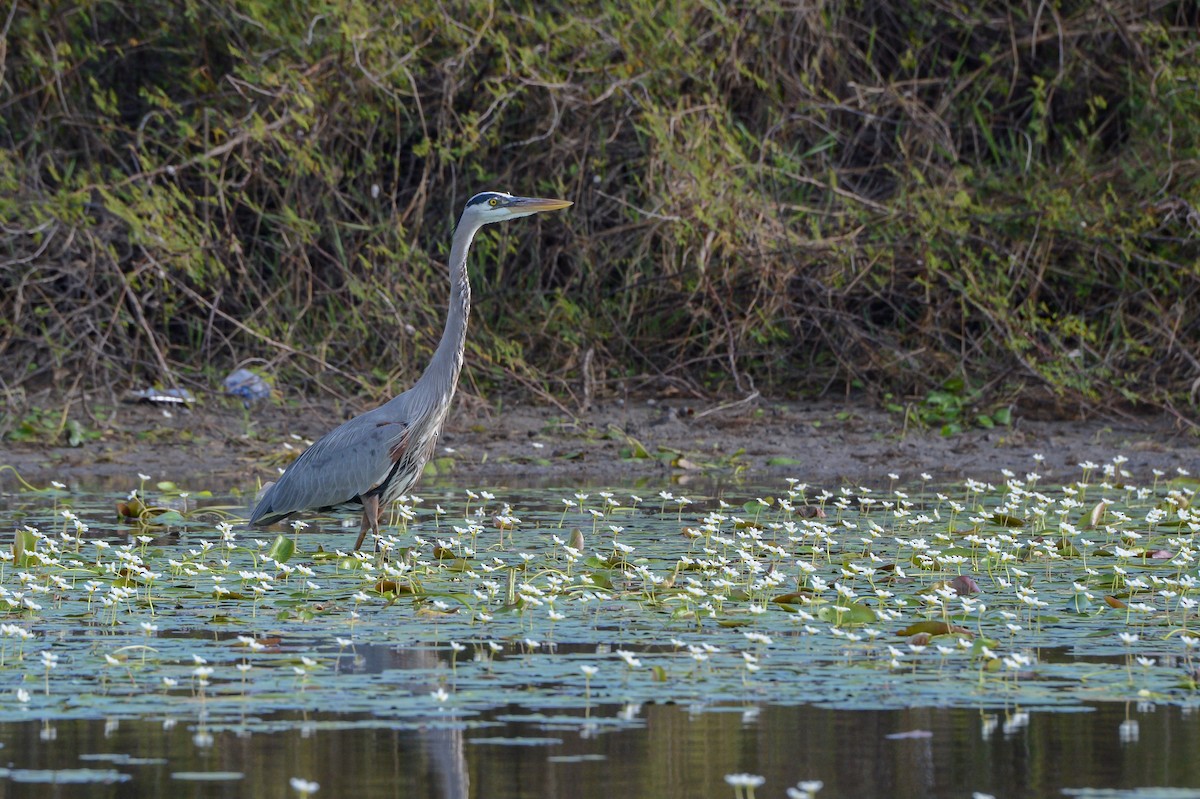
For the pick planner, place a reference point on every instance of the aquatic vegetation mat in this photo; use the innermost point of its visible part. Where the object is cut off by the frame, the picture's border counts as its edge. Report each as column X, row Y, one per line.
column 477, row 611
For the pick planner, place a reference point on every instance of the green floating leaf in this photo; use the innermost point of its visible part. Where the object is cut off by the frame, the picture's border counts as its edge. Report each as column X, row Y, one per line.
column 980, row 643
column 282, row 549
column 842, row 615
column 1079, row 603
column 601, row 579
column 169, row 517
column 754, row 506
column 597, row 562
column 935, row 628
column 24, row 544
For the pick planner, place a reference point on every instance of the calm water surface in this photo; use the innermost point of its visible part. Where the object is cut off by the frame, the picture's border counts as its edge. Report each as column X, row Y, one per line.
column 671, row 752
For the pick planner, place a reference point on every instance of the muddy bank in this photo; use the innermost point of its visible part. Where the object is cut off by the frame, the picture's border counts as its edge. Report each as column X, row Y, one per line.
column 821, row 442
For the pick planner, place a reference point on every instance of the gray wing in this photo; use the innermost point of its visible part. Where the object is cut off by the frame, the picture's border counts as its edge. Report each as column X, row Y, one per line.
column 341, row 466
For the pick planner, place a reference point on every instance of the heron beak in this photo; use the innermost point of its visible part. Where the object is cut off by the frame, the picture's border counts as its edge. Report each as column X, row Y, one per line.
column 533, row 205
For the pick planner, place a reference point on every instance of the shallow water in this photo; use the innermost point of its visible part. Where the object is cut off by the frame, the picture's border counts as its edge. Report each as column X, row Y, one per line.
column 659, row 751
column 343, row 688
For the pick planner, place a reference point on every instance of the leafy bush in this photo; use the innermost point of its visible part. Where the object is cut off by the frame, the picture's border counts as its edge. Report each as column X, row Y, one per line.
column 789, row 198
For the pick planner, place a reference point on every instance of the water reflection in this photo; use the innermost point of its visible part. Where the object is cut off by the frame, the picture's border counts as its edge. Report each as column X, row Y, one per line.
column 674, row 752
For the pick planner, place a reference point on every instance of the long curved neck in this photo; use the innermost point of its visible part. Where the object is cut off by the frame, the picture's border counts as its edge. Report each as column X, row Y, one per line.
column 441, row 376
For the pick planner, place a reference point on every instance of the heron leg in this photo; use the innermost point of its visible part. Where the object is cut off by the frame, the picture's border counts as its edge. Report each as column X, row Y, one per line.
column 370, row 519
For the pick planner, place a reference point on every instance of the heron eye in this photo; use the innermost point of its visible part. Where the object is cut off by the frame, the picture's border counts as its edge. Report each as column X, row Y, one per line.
column 493, row 202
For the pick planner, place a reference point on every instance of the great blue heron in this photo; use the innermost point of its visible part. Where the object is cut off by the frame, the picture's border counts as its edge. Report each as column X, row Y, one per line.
column 378, row 456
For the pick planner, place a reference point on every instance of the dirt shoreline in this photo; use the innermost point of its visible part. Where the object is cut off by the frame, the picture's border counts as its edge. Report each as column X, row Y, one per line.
column 823, row 443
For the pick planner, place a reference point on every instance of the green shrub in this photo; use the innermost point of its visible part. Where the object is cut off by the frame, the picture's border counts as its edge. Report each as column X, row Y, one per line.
column 775, row 197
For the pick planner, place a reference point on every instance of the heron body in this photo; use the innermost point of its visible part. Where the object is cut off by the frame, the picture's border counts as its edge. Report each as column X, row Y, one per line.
column 378, row 456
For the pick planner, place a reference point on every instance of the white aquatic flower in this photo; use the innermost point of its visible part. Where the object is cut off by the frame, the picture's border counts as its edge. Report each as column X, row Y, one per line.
column 304, row 787
column 745, row 780
column 805, row 789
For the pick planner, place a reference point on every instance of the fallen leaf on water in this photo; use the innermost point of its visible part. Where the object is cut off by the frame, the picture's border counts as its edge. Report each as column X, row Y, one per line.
column 136, row 509
column 964, row 585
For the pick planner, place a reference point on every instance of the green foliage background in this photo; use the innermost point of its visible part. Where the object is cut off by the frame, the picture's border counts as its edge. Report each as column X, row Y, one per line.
column 794, row 197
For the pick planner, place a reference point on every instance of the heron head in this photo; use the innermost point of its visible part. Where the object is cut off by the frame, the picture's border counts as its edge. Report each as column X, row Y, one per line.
column 497, row 206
